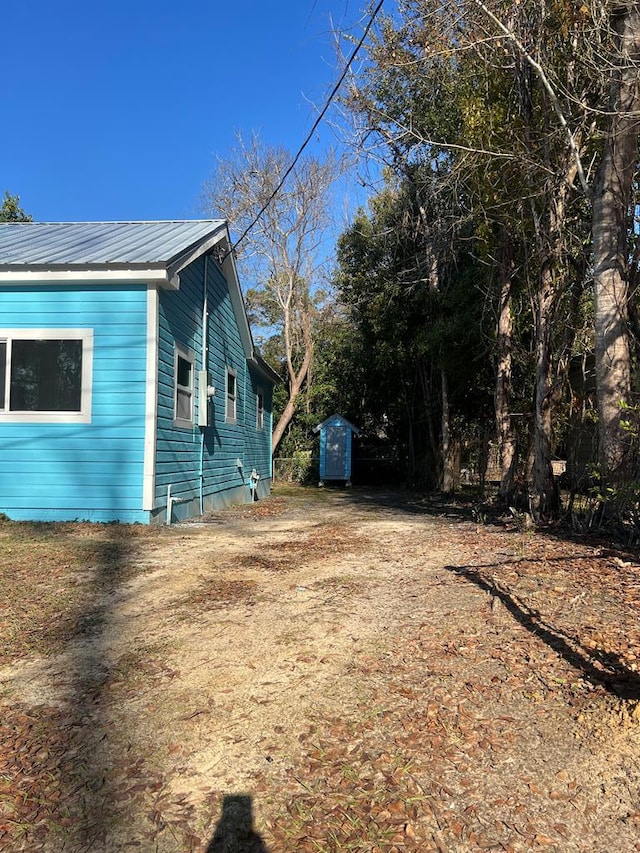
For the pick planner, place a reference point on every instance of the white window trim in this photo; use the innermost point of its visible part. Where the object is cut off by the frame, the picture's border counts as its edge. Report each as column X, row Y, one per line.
column 259, row 411
column 26, row 417
column 187, row 355
column 234, row 419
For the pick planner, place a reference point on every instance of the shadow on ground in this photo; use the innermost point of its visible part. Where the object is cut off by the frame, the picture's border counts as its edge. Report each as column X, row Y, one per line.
column 459, row 507
column 235, row 832
column 465, row 506
column 604, row 669
column 94, row 806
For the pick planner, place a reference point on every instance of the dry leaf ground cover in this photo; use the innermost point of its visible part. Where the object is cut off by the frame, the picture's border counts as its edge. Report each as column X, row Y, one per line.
column 321, row 671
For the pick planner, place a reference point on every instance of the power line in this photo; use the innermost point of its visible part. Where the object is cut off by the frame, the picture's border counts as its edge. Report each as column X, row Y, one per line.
column 313, row 129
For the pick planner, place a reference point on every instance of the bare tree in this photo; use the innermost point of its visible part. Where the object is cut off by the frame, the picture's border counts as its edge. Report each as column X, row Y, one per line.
column 282, row 247
column 504, row 361
column 611, row 224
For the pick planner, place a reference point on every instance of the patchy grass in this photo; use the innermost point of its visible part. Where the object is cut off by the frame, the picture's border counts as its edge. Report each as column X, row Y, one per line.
column 49, row 576
column 341, row 583
column 217, row 592
column 494, row 705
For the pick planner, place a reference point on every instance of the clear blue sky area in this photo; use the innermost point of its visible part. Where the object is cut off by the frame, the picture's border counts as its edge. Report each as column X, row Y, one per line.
column 117, row 110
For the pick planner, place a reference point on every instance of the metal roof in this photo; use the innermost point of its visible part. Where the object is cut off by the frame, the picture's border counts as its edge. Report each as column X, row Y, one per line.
column 84, row 244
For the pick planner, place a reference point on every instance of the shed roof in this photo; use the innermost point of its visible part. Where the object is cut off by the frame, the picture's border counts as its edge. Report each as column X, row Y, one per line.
column 85, row 244
column 335, row 420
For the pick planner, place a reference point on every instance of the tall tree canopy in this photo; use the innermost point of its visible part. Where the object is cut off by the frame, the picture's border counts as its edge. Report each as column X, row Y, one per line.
column 524, row 118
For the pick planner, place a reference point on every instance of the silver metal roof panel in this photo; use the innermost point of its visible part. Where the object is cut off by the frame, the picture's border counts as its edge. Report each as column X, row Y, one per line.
column 85, row 244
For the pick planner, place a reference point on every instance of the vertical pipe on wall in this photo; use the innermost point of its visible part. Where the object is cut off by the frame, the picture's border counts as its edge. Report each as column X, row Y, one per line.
column 204, row 366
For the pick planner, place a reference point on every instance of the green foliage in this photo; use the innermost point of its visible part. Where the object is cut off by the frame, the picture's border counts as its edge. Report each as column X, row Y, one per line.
column 300, row 468
column 477, row 190
column 10, row 210
column 409, row 323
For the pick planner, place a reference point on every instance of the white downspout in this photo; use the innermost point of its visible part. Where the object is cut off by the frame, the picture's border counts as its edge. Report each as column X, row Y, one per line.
column 170, row 502
column 205, row 312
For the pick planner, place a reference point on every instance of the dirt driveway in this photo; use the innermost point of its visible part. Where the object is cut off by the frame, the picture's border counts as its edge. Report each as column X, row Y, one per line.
column 322, row 671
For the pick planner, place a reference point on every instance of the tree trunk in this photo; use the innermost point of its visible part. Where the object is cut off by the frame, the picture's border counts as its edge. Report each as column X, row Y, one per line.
column 504, row 426
column 448, row 473
column 545, row 500
column 294, row 392
column 434, row 477
column 296, row 377
column 611, row 201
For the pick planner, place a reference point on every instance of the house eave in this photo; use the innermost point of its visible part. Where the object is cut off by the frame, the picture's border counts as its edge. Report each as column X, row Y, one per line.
column 201, row 247
column 265, row 369
column 103, row 274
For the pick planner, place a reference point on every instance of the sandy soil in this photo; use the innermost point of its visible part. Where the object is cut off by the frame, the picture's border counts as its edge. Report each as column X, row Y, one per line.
column 333, row 671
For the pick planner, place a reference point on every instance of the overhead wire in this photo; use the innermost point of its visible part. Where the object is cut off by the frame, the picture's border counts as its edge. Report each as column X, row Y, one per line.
column 309, row 136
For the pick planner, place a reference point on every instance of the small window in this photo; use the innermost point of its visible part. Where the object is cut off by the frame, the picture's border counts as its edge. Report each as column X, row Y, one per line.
column 45, row 375
column 232, row 396
column 183, row 410
column 260, row 410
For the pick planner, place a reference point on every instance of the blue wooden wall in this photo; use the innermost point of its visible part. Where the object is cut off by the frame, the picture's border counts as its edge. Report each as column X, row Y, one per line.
column 57, row 471
column 95, row 471
column 201, row 463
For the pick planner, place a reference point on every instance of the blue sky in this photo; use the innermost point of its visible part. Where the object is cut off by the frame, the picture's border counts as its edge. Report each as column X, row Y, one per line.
column 118, row 110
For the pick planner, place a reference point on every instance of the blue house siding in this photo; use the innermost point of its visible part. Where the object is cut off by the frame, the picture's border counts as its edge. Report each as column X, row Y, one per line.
column 177, row 448
column 225, row 482
column 93, row 471
column 200, row 464
column 258, row 440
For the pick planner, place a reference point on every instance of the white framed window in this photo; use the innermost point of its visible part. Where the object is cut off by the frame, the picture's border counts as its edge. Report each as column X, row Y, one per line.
column 231, row 397
column 183, row 388
column 260, row 409
column 46, row 375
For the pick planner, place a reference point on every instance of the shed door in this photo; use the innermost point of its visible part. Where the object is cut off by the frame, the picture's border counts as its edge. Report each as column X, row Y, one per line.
column 336, row 458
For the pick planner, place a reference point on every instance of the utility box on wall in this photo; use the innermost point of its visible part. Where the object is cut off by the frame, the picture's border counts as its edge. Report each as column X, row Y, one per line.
column 206, row 392
column 336, row 435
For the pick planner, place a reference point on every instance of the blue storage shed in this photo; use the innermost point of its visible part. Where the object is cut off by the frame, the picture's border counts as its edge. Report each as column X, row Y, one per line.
column 130, row 387
column 336, row 439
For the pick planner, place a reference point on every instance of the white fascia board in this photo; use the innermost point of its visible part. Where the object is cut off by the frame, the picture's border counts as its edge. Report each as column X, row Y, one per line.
column 87, row 275
column 151, row 402
column 179, row 262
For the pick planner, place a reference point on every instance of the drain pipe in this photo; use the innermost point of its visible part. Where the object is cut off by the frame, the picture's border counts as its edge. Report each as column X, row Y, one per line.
column 170, row 502
column 253, row 485
column 205, row 349
column 201, row 471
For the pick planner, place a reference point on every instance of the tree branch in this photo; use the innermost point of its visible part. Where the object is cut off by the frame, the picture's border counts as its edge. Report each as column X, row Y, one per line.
column 547, row 87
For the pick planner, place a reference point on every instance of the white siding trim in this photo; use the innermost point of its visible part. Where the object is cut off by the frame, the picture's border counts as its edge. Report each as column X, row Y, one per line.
column 85, row 276
column 151, row 409
column 196, row 251
column 81, row 417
